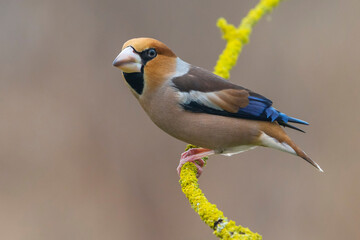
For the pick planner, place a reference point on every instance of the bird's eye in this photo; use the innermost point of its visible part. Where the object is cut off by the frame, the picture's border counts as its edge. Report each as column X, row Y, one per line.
column 151, row 53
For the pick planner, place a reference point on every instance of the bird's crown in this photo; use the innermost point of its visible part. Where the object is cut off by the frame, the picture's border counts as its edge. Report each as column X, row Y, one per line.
column 142, row 44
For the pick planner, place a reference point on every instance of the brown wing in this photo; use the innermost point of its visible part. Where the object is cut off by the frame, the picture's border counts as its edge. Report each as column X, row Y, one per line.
column 213, row 91
column 229, row 100
column 199, row 79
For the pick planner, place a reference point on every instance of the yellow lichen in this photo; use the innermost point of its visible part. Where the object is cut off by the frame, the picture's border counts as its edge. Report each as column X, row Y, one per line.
column 209, row 213
column 236, row 38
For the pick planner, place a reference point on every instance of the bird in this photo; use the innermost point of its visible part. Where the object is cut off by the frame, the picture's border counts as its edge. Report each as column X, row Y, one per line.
column 198, row 107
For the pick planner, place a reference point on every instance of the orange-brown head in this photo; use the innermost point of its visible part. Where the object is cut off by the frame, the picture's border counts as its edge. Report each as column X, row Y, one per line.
column 146, row 63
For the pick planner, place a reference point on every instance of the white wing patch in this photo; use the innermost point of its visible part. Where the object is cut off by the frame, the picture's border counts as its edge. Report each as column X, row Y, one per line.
column 274, row 143
column 199, row 97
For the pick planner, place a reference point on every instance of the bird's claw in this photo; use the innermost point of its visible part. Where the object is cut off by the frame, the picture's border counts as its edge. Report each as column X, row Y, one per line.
column 195, row 156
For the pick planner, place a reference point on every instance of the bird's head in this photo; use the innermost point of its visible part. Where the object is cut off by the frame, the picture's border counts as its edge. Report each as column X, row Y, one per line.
column 146, row 63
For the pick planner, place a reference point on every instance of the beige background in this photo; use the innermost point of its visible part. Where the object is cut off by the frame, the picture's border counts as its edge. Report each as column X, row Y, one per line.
column 79, row 159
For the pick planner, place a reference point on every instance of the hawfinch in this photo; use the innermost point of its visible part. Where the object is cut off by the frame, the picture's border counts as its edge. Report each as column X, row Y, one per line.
column 201, row 108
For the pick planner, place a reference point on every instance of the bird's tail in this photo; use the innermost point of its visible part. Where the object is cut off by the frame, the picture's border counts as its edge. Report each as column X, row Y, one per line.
column 304, row 156
column 275, row 137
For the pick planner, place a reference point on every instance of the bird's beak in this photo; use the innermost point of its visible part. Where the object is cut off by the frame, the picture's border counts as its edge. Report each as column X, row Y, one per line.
column 128, row 61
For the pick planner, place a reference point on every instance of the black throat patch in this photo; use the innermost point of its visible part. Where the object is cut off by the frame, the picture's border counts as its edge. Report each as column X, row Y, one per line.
column 135, row 80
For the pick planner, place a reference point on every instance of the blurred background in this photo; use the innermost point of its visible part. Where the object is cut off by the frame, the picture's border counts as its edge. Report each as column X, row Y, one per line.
column 79, row 158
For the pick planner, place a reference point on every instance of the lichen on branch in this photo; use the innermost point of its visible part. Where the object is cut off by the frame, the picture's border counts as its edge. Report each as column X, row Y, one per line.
column 236, row 38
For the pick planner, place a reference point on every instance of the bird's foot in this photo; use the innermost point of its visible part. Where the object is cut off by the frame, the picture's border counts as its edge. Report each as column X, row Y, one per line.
column 195, row 156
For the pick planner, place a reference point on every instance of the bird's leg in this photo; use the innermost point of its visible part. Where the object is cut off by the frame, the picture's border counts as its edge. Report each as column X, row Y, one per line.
column 192, row 155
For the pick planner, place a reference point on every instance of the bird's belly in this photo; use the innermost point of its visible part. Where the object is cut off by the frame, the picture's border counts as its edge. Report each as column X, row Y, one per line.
column 213, row 133
column 223, row 134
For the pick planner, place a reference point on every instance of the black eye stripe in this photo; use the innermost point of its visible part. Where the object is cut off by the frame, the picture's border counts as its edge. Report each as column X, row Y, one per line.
column 146, row 55
column 135, row 50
